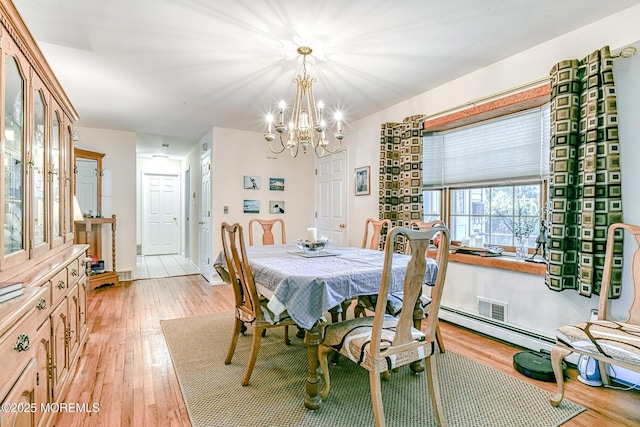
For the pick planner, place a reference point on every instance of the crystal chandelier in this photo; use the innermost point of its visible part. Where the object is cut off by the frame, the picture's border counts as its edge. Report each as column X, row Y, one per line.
column 307, row 126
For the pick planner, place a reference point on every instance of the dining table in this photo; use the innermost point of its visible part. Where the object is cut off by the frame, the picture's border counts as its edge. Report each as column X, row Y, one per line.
column 308, row 284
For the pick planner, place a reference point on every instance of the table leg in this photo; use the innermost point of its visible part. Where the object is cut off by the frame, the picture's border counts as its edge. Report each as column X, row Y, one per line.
column 312, row 338
column 418, row 315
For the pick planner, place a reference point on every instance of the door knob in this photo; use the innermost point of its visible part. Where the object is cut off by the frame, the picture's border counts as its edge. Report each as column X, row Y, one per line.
column 200, row 222
column 343, row 225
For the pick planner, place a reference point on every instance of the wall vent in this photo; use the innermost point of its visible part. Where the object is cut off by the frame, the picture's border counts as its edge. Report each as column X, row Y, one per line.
column 125, row 276
column 495, row 310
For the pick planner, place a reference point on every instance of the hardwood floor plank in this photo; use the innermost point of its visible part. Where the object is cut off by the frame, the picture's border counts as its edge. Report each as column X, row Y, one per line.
column 126, row 367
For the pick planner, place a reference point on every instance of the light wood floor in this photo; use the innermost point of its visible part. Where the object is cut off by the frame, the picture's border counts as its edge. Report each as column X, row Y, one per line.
column 127, row 371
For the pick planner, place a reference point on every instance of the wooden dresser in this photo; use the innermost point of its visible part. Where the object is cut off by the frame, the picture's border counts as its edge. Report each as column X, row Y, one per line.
column 42, row 331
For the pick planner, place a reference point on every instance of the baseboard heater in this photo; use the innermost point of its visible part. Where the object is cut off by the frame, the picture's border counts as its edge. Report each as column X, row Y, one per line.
column 500, row 330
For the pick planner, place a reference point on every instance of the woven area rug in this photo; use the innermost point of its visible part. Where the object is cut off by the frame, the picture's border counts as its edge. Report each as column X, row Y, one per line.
column 473, row 394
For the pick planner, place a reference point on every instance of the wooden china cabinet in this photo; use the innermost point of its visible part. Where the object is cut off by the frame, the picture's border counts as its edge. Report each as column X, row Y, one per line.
column 42, row 331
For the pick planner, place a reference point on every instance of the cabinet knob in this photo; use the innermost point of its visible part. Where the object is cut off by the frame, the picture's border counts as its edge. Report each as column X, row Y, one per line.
column 61, row 284
column 22, row 344
column 74, row 272
column 42, row 304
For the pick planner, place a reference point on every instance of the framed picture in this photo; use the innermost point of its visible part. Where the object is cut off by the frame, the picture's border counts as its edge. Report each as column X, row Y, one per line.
column 276, row 206
column 251, row 182
column 362, row 181
column 276, row 184
column 251, row 206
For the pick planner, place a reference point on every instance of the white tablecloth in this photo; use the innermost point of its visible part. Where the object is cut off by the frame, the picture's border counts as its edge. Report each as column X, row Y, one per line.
column 307, row 287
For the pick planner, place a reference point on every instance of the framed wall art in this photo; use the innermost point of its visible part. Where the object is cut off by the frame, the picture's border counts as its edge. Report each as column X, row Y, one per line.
column 276, row 206
column 362, row 181
column 251, row 206
column 251, row 182
column 276, row 184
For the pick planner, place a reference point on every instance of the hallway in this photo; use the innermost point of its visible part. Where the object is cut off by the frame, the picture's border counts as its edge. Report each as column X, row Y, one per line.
column 156, row 266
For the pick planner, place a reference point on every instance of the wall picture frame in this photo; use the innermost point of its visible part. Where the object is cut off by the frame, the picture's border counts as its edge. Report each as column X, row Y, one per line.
column 362, row 181
column 276, row 207
column 276, row 184
column 251, row 206
column 251, row 182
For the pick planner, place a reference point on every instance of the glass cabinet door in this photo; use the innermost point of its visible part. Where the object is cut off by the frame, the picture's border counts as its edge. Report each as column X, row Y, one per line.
column 55, row 172
column 13, row 157
column 38, row 172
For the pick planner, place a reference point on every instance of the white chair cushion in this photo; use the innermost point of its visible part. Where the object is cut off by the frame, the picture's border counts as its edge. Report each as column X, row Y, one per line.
column 351, row 338
column 619, row 341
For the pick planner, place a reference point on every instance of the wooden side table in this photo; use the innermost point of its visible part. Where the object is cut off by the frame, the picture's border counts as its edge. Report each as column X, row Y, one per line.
column 93, row 237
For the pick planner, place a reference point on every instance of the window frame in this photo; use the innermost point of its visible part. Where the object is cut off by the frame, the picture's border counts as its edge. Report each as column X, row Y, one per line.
column 507, row 102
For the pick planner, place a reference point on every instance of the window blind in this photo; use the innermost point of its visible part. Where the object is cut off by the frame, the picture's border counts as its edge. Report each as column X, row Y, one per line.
column 511, row 147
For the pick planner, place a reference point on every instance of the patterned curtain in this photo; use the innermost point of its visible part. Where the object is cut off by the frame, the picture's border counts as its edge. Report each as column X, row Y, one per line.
column 585, row 182
column 401, row 172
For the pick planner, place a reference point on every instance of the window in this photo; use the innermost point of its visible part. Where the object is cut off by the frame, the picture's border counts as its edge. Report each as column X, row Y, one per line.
column 483, row 178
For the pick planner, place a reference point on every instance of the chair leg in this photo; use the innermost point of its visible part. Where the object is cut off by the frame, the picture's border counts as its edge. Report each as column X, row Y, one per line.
column 253, row 355
column 323, row 359
column 434, row 391
column 237, row 327
column 557, row 354
column 345, row 306
column 287, row 341
column 376, row 398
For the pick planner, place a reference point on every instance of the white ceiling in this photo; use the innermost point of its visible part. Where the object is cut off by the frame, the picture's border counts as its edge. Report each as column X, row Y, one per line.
column 170, row 70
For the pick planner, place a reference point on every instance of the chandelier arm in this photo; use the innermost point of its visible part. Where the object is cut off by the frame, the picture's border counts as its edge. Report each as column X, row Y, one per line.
column 334, row 151
column 294, row 150
column 281, row 144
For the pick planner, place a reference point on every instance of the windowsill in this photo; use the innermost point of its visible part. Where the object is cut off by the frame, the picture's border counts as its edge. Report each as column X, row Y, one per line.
column 501, row 262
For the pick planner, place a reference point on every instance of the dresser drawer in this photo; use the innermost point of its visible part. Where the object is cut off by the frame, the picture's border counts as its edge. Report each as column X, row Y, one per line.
column 43, row 305
column 73, row 272
column 16, row 349
column 59, row 286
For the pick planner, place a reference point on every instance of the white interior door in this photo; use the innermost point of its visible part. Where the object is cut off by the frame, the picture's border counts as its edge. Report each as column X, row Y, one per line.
column 87, row 186
column 331, row 197
column 205, row 263
column 161, row 210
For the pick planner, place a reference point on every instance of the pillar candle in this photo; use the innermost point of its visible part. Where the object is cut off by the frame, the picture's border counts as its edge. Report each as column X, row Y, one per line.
column 312, row 234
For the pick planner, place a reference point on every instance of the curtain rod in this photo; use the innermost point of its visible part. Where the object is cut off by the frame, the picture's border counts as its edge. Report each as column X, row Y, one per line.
column 625, row 52
column 509, row 91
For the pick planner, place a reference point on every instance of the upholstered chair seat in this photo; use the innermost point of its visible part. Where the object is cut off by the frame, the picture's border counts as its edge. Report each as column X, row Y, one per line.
column 609, row 339
column 352, row 338
column 618, row 341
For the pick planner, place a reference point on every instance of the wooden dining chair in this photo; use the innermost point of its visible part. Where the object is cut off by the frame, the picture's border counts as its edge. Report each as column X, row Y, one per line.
column 382, row 342
column 267, row 230
column 376, row 226
column 395, row 302
column 608, row 341
column 250, row 308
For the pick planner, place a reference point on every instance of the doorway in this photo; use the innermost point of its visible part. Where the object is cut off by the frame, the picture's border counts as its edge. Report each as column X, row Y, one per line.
column 331, row 197
column 160, row 214
column 205, row 263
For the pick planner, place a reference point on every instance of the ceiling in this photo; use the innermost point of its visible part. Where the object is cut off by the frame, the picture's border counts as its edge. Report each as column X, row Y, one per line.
column 170, row 70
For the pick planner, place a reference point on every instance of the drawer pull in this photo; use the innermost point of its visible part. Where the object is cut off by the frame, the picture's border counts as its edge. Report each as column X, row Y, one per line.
column 42, row 304
column 23, row 343
column 61, row 284
column 74, row 272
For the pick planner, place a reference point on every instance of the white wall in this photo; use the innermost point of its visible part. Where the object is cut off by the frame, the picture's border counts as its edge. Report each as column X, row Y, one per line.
column 239, row 153
column 530, row 304
column 118, row 188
